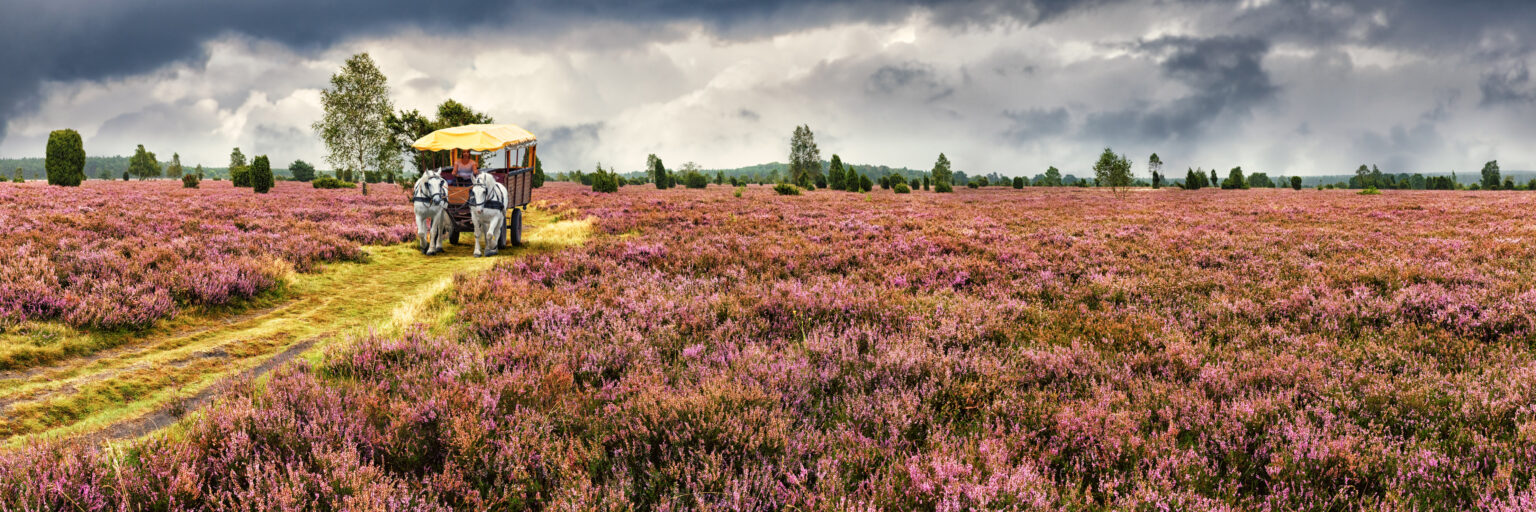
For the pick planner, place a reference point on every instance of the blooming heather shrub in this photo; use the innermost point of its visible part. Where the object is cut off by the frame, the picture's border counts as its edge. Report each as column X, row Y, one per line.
column 126, row 254
column 1039, row 350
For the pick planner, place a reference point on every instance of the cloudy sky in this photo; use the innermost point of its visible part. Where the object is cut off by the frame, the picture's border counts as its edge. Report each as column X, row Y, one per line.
column 1291, row 87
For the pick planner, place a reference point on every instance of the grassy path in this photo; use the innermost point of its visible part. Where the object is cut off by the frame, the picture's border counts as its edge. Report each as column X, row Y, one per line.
column 148, row 379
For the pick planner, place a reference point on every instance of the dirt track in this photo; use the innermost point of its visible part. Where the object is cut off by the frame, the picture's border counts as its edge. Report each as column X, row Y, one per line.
column 147, row 383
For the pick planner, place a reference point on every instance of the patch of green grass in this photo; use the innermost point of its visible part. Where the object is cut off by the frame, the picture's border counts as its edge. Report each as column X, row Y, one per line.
column 396, row 288
column 37, row 343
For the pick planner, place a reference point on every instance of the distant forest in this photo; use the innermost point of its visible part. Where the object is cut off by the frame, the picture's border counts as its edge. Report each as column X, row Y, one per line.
column 107, row 167
column 772, row 172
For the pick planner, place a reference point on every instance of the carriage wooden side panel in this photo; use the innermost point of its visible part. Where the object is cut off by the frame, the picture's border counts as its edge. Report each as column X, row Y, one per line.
column 519, row 185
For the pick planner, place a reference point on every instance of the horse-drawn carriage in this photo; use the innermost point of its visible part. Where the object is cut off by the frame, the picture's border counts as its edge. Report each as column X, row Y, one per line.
column 518, row 151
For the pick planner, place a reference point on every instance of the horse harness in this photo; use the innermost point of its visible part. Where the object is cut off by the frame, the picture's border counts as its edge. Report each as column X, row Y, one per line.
column 497, row 204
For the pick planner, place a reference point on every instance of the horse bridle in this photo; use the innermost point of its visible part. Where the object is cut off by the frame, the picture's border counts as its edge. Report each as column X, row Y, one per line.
column 440, row 197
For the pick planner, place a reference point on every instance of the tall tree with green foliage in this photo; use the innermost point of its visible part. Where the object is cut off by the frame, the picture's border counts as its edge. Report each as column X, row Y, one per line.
column 658, row 172
column 18, row 177
column 405, row 127
column 355, row 125
column 451, row 113
column 261, row 174
column 65, row 159
column 538, row 173
column 143, row 164
column 1235, row 180
column 1295, row 182
column 692, row 177
column 236, row 159
column 1113, row 171
column 1491, row 175
column 1018, row 182
column 1052, row 177
column 1260, row 180
column 174, row 171
column 942, row 175
column 301, row 171
column 1212, row 181
column 1363, row 177
column 804, row 157
column 1155, row 165
column 198, row 171
column 239, row 169
column 835, row 174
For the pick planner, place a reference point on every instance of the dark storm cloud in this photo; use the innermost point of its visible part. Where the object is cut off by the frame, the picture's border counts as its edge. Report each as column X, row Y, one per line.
column 66, row 40
column 1221, row 72
column 1404, row 147
column 1031, row 124
column 562, row 143
column 1426, row 26
column 1225, row 77
column 909, row 78
column 1505, row 87
column 267, row 138
column 1401, row 148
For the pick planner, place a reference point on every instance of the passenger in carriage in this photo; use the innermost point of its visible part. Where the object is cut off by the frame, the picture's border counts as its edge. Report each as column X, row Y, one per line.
column 465, row 169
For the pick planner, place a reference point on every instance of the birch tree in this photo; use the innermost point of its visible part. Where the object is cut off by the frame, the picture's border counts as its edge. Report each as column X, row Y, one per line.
column 354, row 128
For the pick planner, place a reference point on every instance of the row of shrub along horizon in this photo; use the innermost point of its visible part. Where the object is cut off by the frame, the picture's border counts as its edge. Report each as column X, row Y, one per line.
column 1195, row 179
column 1111, row 170
column 65, row 158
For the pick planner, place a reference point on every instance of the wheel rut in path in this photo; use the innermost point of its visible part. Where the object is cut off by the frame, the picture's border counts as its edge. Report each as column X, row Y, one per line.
column 150, row 382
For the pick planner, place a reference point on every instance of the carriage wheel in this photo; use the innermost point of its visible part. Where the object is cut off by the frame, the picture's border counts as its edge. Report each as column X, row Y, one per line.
column 515, row 225
column 501, row 238
column 512, row 219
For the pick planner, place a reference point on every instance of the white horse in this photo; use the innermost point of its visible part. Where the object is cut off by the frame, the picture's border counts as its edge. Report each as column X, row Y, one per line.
column 487, row 208
column 430, row 197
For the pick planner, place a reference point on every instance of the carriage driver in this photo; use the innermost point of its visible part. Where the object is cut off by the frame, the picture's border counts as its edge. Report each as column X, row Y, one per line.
column 465, row 168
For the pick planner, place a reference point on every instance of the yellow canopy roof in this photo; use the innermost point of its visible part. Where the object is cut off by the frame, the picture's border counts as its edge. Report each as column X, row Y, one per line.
column 477, row 137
